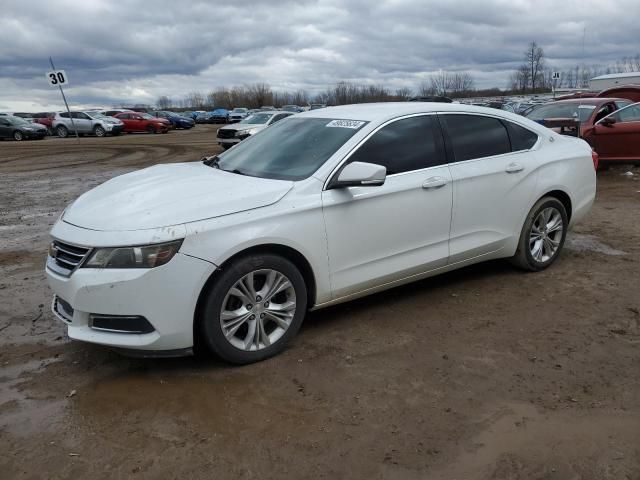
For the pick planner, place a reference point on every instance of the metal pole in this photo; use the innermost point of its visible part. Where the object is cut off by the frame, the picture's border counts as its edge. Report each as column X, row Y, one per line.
column 66, row 104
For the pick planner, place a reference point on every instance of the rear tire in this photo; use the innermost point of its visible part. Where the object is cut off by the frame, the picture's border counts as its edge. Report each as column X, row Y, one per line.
column 251, row 332
column 62, row 131
column 542, row 236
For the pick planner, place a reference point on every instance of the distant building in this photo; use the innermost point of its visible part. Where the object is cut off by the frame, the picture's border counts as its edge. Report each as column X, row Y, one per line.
column 614, row 80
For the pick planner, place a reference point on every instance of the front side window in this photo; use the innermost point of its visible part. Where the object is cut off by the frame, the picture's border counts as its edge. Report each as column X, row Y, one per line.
column 290, row 150
column 630, row 113
column 402, row 146
column 475, row 136
column 64, row 115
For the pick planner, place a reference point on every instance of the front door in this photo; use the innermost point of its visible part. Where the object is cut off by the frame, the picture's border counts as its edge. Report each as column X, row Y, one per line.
column 378, row 235
column 619, row 140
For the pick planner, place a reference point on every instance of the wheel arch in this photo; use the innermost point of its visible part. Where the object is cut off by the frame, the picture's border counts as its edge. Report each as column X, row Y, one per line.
column 290, row 253
column 564, row 198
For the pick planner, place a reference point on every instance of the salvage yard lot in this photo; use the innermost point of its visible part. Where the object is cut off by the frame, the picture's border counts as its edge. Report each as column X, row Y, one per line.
column 486, row 372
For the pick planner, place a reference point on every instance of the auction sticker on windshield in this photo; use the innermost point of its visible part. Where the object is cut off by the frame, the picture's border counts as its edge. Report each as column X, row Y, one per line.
column 355, row 124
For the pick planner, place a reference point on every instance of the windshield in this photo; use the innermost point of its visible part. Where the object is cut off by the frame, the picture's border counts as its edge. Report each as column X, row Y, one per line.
column 146, row 116
column 16, row 120
column 95, row 114
column 292, row 149
column 257, row 118
column 562, row 110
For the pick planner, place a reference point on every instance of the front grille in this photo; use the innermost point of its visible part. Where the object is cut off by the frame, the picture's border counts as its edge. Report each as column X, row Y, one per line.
column 65, row 258
column 225, row 133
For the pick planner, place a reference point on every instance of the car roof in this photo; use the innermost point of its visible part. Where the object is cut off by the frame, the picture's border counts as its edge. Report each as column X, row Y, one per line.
column 381, row 112
column 585, row 101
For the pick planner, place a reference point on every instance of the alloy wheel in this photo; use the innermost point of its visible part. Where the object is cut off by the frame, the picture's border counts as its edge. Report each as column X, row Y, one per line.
column 546, row 234
column 258, row 309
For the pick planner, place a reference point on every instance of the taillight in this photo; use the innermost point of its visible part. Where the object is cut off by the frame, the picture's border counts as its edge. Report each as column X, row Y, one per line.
column 596, row 159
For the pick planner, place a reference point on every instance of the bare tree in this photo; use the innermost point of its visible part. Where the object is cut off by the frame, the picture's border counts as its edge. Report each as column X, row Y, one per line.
column 534, row 58
column 403, row 94
column 164, row 102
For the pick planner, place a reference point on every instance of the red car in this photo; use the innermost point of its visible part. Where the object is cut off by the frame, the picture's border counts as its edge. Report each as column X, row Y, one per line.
column 610, row 125
column 143, row 122
column 616, row 137
column 46, row 119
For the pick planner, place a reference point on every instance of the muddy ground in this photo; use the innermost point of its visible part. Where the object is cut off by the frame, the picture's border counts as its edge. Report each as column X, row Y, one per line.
column 484, row 373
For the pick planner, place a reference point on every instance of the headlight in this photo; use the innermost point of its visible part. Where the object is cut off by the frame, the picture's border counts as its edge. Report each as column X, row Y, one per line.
column 242, row 133
column 145, row 256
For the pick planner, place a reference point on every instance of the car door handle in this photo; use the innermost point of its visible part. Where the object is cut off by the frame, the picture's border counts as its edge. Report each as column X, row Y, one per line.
column 434, row 182
column 514, row 168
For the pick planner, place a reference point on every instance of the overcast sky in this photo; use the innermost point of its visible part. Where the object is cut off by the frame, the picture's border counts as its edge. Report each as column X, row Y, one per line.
column 134, row 51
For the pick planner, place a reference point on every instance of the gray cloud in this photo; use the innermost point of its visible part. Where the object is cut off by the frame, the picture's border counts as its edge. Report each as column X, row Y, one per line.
column 137, row 50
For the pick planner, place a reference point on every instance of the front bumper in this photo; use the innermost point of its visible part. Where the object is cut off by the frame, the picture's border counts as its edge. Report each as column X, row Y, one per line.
column 228, row 141
column 165, row 296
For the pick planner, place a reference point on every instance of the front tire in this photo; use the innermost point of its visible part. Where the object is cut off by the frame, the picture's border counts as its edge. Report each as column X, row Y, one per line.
column 252, row 309
column 543, row 235
column 151, row 129
column 18, row 136
column 99, row 131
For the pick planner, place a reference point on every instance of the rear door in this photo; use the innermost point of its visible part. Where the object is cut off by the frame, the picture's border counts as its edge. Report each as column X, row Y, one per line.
column 493, row 183
column 619, row 140
column 377, row 235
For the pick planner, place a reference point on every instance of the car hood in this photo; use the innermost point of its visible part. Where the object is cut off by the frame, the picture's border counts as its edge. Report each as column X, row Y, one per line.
column 173, row 194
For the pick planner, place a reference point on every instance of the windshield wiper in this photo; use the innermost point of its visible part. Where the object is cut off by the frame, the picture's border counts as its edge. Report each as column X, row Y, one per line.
column 235, row 170
column 211, row 161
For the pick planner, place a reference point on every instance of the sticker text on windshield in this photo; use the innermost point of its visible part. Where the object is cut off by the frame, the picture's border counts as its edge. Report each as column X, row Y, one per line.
column 355, row 124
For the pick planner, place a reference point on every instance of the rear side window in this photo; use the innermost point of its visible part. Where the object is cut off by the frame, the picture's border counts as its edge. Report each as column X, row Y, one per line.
column 474, row 136
column 521, row 138
column 402, row 146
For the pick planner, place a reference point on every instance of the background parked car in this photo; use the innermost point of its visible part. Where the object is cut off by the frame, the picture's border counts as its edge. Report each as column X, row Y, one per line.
column 177, row 120
column 316, row 106
column 586, row 111
column 292, row 108
column 20, row 129
column 219, row 115
column 231, row 134
column 115, row 111
column 86, row 123
column 143, row 122
column 616, row 137
column 238, row 114
column 46, row 119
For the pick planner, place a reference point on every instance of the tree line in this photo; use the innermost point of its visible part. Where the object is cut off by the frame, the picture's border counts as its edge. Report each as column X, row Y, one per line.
column 342, row 93
column 535, row 76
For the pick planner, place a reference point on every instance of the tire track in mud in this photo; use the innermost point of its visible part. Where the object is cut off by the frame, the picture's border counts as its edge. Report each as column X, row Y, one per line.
column 126, row 151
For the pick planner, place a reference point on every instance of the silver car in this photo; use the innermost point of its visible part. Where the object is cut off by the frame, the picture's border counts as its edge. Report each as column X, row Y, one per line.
column 86, row 123
column 238, row 114
column 229, row 135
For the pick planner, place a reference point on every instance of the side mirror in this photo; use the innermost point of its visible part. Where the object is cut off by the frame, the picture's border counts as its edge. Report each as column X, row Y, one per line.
column 608, row 121
column 361, row 174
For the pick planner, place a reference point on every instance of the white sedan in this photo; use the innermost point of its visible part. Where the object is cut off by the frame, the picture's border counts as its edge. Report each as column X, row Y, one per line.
column 323, row 207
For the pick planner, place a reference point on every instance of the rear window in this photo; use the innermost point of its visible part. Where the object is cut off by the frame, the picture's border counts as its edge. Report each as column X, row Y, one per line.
column 521, row 138
column 475, row 136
